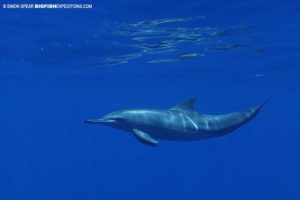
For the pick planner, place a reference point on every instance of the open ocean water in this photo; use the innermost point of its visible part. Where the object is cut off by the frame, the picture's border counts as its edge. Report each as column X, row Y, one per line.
column 59, row 67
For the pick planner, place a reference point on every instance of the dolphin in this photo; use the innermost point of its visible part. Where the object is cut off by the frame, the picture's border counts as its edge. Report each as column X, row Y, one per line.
column 179, row 123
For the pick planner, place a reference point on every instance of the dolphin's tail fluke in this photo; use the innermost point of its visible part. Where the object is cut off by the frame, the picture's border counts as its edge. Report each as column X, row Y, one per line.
column 263, row 104
column 254, row 111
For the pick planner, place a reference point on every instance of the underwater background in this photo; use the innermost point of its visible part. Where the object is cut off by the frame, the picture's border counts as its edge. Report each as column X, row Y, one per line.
column 59, row 67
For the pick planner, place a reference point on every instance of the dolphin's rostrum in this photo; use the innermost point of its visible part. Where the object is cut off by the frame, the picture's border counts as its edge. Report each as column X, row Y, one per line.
column 181, row 122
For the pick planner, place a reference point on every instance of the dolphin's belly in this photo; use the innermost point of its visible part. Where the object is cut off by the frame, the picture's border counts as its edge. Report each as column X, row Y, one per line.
column 179, row 132
column 179, row 135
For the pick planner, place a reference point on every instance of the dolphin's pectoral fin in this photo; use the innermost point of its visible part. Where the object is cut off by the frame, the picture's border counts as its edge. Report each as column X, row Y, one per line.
column 144, row 138
column 187, row 105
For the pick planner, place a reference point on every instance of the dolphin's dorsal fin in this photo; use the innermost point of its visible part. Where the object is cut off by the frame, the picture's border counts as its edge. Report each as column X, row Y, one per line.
column 187, row 105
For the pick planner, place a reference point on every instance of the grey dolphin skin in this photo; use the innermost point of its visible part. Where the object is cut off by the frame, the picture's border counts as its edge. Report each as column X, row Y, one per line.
column 180, row 123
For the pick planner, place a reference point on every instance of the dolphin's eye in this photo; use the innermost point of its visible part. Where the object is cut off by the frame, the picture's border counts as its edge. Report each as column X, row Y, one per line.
column 119, row 119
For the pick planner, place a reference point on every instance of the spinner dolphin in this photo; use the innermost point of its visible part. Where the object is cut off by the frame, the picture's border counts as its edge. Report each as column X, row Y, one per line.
column 180, row 123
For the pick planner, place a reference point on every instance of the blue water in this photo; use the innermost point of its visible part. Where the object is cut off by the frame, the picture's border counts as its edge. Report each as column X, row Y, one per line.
column 53, row 78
